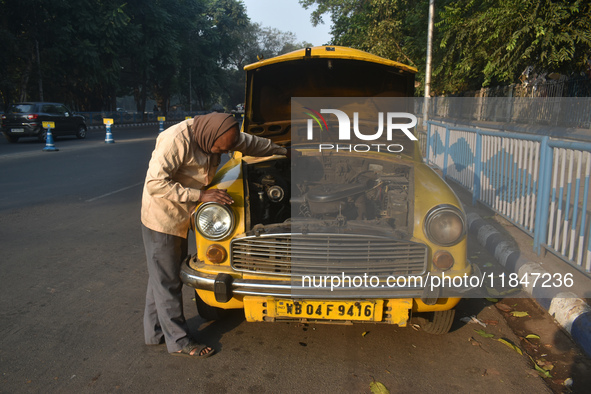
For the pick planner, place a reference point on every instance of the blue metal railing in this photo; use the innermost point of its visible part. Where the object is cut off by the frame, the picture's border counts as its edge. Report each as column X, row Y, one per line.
column 538, row 184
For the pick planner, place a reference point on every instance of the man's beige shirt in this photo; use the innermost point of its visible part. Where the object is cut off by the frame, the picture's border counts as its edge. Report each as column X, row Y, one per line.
column 177, row 172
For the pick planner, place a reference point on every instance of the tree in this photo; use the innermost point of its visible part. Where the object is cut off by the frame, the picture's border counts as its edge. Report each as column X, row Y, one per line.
column 476, row 43
column 90, row 54
column 494, row 41
column 394, row 29
column 74, row 51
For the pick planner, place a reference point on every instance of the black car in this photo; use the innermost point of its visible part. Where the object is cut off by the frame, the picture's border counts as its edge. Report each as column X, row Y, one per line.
column 26, row 120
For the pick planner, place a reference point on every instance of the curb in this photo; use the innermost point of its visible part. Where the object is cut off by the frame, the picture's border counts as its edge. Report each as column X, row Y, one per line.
column 571, row 312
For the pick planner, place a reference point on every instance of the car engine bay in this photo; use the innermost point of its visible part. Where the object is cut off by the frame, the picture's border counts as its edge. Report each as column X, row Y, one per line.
column 331, row 189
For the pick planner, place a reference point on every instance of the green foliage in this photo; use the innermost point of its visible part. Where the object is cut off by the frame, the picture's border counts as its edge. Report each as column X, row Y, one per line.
column 476, row 42
column 494, row 41
column 89, row 54
column 97, row 50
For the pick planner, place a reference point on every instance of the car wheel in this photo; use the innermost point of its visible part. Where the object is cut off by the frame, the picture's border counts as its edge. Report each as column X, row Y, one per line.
column 436, row 323
column 81, row 133
column 11, row 138
column 42, row 136
column 208, row 312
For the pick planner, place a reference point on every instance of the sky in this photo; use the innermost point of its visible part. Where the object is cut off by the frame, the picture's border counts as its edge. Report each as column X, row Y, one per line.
column 288, row 15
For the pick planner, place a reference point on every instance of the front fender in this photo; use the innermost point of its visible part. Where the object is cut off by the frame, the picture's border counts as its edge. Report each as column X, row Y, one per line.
column 229, row 177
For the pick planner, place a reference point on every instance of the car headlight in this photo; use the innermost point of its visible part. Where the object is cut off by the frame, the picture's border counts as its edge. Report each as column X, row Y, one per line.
column 214, row 221
column 445, row 225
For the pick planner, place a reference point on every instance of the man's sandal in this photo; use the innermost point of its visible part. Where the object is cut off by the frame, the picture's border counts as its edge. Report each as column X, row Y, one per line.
column 190, row 350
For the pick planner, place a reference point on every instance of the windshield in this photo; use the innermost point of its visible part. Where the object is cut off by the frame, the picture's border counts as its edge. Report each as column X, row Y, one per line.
column 22, row 108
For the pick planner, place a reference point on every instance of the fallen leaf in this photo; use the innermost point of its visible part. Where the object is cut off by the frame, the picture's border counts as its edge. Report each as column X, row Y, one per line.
column 504, row 307
column 510, row 291
column 364, row 333
column 519, row 314
column 546, row 365
column 532, row 336
column 493, row 300
column 484, row 334
column 491, row 322
column 492, row 292
column 378, row 388
column 543, row 373
column 509, row 344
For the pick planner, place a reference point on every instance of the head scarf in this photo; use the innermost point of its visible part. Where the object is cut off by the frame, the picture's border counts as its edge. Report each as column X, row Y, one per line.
column 208, row 128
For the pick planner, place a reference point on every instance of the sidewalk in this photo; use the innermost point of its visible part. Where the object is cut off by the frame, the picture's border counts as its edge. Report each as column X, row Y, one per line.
column 512, row 249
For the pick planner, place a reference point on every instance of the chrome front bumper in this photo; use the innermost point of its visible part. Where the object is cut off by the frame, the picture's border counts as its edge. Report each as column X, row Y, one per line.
column 225, row 286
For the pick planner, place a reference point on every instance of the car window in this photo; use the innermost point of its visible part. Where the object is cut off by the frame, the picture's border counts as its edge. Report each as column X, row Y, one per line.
column 22, row 108
column 49, row 109
column 62, row 110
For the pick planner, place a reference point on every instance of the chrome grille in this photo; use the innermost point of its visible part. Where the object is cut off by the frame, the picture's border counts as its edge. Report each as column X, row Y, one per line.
column 318, row 254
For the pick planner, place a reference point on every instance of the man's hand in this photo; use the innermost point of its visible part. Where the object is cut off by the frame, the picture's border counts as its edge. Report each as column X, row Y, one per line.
column 216, row 195
column 292, row 153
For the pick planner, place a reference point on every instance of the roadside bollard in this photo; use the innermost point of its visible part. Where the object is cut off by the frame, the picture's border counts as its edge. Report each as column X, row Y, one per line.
column 109, row 136
column 49, row 147
column 161, row 119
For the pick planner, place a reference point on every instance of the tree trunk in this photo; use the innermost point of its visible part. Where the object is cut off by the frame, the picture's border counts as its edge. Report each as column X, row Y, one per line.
column 25, row 78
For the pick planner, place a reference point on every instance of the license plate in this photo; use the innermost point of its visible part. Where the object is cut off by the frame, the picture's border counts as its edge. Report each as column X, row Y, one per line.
column 17, row 130
column 327, row 310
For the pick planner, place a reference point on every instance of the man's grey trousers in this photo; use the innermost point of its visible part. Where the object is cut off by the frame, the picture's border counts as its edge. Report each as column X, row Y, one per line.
column 163, row 316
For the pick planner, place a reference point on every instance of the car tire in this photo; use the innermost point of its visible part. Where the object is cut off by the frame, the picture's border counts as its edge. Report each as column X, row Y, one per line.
column 208, row 312
column 42, row 136
column 11, row 138
column 81, row 133
column 436, row 323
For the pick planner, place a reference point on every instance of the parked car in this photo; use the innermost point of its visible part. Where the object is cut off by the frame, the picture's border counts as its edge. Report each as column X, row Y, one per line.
column 377, row 213
column 26, row 120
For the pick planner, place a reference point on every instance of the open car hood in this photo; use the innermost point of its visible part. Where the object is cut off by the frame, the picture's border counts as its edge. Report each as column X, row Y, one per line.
column 316, row 72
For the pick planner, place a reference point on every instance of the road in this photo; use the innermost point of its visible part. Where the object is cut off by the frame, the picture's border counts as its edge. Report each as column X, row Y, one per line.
column 73, row 278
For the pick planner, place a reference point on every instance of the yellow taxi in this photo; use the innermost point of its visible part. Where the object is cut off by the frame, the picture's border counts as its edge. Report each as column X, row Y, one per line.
column 326, row 235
